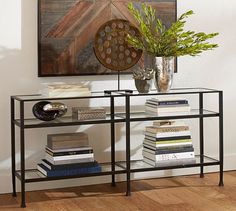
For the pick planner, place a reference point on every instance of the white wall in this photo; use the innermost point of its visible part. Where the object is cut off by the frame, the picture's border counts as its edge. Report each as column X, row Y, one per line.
column 18, row 67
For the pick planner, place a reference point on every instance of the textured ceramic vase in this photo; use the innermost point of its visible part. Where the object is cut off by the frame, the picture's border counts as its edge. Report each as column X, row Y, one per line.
column 143, row 86
column 163, row 73
column 143, row 79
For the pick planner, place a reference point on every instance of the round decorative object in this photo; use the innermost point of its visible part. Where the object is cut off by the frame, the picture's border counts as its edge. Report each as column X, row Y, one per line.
column 47, row 111
column 111, row 48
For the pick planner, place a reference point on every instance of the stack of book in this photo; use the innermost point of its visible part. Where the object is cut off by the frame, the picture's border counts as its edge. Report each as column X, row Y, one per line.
column 168, row 143
column 166, row 106
column 68, row 154
column 65, row 90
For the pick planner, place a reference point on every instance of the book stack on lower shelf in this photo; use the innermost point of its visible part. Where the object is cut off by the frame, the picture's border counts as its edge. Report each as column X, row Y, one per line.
column 68, row 154
column 168, row 143
column 167, row 106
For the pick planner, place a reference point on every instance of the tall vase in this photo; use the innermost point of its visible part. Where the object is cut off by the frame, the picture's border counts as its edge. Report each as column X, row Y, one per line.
column 163, row 73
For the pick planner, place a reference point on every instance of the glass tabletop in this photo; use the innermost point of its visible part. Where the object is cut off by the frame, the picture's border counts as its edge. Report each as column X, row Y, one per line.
column 36, row 97
column 115, row 93
column 172, row 91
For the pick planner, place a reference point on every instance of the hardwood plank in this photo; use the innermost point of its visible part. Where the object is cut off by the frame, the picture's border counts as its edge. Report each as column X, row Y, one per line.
column 184, row 193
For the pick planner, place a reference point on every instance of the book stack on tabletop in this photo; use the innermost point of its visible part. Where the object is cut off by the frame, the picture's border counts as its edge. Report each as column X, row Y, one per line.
column 168, row 143
column 68, row 154
column 167, row 106
column 65, row 90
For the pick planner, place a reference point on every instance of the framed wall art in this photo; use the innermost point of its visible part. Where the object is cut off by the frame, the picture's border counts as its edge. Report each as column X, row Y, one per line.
column 67, row 28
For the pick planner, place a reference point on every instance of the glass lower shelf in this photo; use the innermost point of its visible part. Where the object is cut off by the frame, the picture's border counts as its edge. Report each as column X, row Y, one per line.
column 140, row 165
column 33, row 175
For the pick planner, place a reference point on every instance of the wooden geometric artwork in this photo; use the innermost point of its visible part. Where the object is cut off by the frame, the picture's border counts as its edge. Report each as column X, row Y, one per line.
column 67, row 28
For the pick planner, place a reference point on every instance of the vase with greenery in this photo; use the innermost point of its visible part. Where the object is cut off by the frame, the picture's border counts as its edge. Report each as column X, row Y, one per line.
column 164, row 44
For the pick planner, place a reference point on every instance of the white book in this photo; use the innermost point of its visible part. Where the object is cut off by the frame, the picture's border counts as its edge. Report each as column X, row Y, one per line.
column 166, row 114
column 65, row 90
column 171, row 156
column 70, row 161
column 61, row 93
column 161, row 99
column 69, row 157
column 156, row 106
column 169, row 162
column 169, row 109
column 168, row 134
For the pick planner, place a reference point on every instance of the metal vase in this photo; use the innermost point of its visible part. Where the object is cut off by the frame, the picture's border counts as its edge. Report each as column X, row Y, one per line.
column 163, row 73
column 143, row 86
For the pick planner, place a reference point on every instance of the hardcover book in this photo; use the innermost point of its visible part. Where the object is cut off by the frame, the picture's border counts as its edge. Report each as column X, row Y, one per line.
column 155, row 145
column 68, row 166
column 68, row 157
column 67, row 172
column 168, row 123
column 170, row 156
column 168, row 100
column 79, row 152
column 82, row 148
column 164, row 110
column 167, row 134
column 186, row 161
column 168, row 151
column 170, row 147
column 169, row 141
column 67, row 140
column 168, row 138
column 69, row 161
column 165, row 104
column 65, row 90
column 154, row 129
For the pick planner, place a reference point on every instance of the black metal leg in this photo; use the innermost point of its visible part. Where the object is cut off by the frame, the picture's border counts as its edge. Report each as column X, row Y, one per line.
column 221, row 134
column 201, row 132
column 128, row 191
column 112, row 142
column 13, row 158
column 22, row 154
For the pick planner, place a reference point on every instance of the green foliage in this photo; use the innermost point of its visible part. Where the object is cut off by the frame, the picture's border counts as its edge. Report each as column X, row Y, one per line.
column 157, row 40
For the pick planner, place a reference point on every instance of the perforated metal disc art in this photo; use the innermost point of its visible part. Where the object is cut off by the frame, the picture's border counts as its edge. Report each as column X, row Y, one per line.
column 111, row 48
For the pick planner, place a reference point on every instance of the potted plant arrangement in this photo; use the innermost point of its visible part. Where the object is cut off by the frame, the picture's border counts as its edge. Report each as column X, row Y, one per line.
column 164, row 44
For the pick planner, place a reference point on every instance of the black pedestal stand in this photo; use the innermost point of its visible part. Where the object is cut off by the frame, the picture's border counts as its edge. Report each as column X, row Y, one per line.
column 118, row 87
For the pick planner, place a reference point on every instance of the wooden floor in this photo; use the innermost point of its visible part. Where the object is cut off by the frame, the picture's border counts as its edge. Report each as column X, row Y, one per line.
column 177, row 193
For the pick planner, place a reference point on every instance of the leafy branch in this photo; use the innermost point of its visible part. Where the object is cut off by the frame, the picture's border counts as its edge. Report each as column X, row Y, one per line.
column 157, row 40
